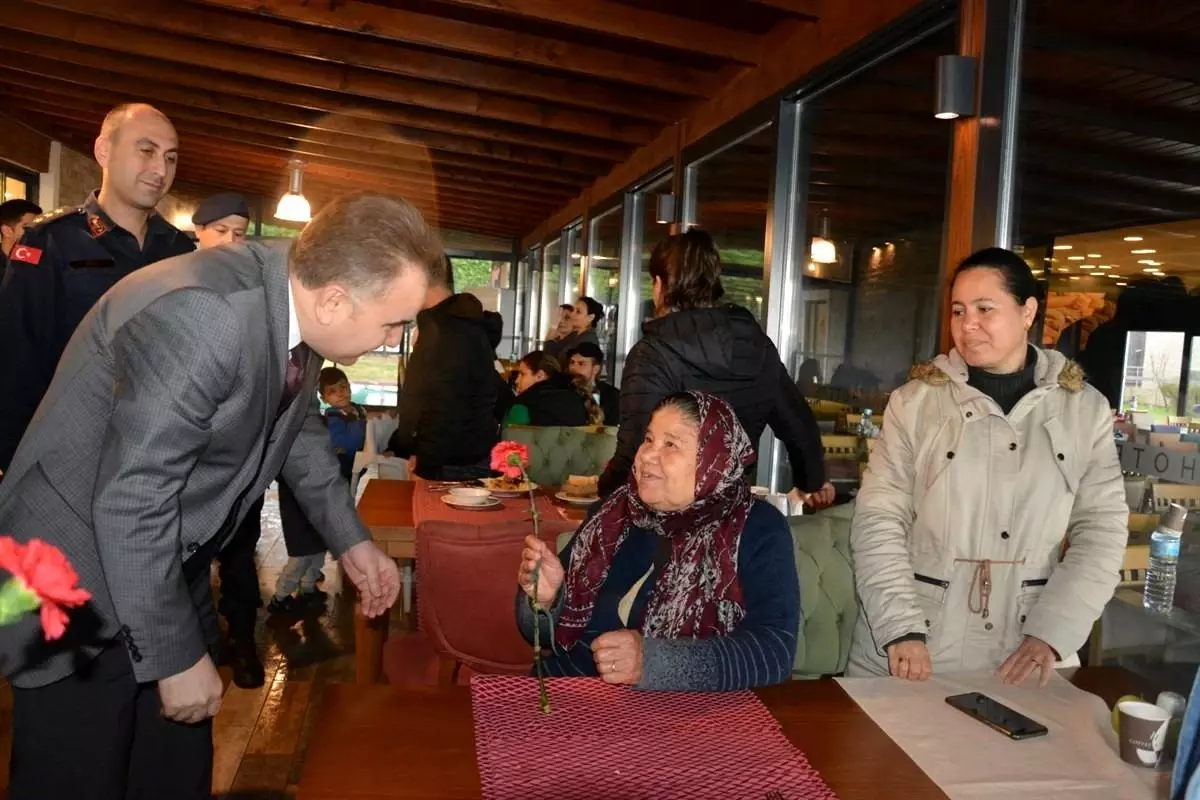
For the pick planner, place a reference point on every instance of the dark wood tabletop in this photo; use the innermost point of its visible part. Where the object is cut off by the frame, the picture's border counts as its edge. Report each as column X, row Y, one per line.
column 388, row 743
column 400, row 743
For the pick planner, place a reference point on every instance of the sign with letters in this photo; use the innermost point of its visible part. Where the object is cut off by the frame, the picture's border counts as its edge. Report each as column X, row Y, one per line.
column 1177, row 466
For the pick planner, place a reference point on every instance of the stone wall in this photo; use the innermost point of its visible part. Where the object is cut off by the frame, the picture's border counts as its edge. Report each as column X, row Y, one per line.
column 78, row 176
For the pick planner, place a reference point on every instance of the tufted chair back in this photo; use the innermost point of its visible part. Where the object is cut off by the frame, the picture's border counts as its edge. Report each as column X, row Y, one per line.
column 556, row 452
column 828, row 601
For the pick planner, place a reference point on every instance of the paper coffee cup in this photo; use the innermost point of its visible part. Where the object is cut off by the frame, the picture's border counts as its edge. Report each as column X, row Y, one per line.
column 1143, row 732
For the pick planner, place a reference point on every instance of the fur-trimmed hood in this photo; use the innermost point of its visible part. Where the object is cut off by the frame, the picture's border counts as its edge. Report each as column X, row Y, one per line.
column 1052, row 368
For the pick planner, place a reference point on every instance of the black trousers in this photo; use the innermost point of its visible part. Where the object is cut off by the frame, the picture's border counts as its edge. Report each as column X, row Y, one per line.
column 98, row 733
column 240, row 595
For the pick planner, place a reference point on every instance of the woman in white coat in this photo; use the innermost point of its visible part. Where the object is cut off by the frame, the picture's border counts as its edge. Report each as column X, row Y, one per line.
column 992, row 523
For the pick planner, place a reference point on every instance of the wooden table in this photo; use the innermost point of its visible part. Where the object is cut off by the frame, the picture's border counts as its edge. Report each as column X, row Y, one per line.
column 400, row 743
column 386, row 508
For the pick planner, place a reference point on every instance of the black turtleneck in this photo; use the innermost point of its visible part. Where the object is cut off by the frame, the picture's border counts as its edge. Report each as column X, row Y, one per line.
column 1008, row 389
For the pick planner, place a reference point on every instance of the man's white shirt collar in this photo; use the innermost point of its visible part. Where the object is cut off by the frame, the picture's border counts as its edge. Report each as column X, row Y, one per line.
column 293, row 323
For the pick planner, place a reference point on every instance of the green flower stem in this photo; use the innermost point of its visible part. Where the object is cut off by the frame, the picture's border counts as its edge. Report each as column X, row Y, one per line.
column 17, row 600
column 538, row 611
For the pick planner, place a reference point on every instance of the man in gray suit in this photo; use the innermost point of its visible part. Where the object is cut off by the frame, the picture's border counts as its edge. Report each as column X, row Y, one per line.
column 183, row 393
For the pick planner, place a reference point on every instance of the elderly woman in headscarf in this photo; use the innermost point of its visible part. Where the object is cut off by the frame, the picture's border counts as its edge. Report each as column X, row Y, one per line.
column 679, row 580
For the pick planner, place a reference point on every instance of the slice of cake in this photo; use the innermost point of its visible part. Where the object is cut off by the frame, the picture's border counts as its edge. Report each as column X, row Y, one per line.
column 582, row 485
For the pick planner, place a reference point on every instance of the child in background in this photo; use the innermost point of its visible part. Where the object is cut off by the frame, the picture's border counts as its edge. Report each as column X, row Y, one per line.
column 347, row 425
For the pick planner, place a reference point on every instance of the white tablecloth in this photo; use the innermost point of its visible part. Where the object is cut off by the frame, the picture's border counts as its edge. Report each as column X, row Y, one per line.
column 966, row 759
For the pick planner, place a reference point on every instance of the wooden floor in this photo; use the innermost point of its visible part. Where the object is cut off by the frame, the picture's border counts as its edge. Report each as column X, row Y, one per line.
column 260, row 734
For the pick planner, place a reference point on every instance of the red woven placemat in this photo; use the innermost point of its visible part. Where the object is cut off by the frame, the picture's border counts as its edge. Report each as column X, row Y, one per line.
column 601, row 741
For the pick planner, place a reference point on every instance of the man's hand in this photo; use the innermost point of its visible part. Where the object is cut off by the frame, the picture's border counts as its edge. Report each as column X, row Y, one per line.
column 193, row 695
column 374, row 574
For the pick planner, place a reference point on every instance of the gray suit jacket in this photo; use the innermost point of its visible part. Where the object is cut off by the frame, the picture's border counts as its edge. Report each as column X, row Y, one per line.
column 157, row 433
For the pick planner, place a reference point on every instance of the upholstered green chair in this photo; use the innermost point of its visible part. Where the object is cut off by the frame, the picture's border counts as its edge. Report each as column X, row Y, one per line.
column 828, row 601
column 556, row 452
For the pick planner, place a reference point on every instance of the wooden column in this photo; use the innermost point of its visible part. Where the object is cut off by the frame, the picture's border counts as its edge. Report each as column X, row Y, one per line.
column 981, row 211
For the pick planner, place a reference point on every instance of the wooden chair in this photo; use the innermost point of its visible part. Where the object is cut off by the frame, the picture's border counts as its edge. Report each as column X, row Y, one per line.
column 1165, row 494
column 840, row 448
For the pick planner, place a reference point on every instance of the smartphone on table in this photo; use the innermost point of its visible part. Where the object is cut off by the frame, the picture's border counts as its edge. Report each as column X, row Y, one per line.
column 998, row 716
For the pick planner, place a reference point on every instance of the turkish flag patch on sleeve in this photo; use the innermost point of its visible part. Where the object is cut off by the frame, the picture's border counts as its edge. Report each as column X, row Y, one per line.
column 26, row 254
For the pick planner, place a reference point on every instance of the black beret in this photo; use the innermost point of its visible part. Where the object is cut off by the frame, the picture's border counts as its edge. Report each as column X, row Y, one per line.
column 219, row 206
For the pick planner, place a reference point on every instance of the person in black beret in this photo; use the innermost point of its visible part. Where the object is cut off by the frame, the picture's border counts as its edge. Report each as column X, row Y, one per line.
column 221, row 219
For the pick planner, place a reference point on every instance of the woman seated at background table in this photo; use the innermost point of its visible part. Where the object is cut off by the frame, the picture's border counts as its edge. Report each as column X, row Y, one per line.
column 991, row 459
column 548, row 396
column 679, row 580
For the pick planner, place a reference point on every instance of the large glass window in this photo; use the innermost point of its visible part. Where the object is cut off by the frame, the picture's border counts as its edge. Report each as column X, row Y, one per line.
column 653, row 231
column 551, row 280
column 604, row 277
column 876, row 202
column 732, row 188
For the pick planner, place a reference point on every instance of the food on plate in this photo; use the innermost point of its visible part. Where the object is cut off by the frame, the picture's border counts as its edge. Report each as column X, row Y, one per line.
column 507, row 485
column 582, row 485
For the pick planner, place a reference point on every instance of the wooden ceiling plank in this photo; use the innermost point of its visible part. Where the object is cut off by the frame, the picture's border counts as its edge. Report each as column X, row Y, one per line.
column 88, row 76
column 27, row 17
column 87, row 126
column 1137, row 56
column 296, row 106
column 1102, row 111
column 803, row 8
column 629, row 22
column 441, row 33
column 260, row 32
column 332, row 130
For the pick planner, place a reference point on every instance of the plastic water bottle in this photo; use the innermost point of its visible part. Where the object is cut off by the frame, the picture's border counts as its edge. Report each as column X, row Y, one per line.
column 866, row 428
column 1159, row 594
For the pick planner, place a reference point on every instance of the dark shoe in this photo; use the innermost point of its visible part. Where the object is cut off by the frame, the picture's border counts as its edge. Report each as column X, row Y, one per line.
column 287, row 604
column 248, row 672
column 314, row 598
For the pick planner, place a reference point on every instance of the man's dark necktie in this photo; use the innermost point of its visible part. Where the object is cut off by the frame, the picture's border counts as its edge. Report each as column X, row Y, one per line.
column 294, row 377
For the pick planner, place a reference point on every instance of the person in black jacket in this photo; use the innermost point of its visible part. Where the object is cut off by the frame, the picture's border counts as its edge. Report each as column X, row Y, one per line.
column 697, row 343
column 447, row 408
column 547, row 396
column 586, row 362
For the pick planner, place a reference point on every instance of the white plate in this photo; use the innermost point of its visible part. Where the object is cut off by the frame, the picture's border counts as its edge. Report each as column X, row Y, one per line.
column 450, row 501
column 493, row 486
column 576, row 501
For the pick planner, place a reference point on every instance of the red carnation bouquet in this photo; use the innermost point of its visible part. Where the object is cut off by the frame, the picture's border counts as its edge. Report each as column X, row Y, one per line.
column 510, row 459
column 41, row 579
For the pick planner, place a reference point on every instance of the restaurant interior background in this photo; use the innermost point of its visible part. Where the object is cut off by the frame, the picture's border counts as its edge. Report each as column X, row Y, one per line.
column 830, row 205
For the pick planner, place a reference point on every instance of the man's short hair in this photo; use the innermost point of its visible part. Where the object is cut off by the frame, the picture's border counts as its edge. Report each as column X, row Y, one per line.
column 114, row 119
column 364, row 241
column 588, row 350
column 11, row 211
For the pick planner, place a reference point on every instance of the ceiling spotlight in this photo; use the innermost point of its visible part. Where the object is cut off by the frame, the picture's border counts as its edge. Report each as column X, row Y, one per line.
column 1074, row 277
column 1144, row 251
column 1150, row 269
column 1095, row 255
column 1103, row 266
column 1122, row 283
column 1133, row 238
column 1064, row 269
column 1076, row 258
column 1097, row 274
column 1149, row 261
column 1063, row 247
column 955, row 87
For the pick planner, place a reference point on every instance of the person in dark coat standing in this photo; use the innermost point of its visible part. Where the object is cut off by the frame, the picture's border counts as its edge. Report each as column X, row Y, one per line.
column 697, row 343
column 447, row 409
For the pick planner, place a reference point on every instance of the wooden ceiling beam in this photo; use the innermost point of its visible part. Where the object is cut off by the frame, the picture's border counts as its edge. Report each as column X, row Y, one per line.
column 1118, row 165
column 441, row 33
column 1105, row 111
column 630, row 22
column 85, row 128
column 370, row 137
column 801, row 8
column 260, row 32
column 1145, row 57
column 290, row 105
column 261, row 65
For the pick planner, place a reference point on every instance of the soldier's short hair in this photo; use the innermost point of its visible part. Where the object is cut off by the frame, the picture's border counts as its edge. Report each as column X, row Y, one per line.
column 114, row 119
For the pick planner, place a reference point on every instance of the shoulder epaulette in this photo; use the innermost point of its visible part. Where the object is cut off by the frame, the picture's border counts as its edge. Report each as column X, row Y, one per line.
column 55, row 215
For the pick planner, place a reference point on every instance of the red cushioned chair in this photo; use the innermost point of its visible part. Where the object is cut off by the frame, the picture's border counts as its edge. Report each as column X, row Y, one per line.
column 466, row 587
